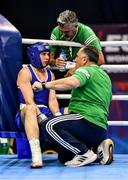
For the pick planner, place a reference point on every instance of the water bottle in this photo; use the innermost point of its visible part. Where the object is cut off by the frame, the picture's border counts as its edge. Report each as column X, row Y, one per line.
column 4, row 146
column 62, row 57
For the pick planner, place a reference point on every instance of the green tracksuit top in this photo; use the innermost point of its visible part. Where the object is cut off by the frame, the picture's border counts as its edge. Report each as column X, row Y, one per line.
column 92, row 98
column 84, row 35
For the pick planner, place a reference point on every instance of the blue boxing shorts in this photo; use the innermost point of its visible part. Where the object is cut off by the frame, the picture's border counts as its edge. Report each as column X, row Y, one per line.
column 44, row 110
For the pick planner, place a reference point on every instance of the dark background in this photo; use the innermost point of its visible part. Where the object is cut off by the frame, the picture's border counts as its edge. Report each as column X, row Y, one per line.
column 35, row 19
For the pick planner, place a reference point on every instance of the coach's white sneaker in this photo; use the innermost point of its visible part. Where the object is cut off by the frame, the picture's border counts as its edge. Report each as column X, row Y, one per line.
column 105, row 151
column 81, row 160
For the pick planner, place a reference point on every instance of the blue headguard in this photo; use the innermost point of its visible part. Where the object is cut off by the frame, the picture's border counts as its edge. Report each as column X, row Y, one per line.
column 34, row 53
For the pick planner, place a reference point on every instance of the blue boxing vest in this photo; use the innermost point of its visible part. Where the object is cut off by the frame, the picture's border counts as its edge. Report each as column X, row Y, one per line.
column 40, row 97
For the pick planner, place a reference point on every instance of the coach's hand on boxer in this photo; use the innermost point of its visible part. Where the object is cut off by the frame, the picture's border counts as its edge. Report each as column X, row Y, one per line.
column 38, row 86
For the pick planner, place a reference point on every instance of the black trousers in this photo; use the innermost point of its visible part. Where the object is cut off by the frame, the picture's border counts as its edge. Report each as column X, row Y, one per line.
column 72, row 134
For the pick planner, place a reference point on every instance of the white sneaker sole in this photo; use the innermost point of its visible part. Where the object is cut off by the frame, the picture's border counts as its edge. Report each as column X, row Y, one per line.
column 90, row 160
column 105, row 152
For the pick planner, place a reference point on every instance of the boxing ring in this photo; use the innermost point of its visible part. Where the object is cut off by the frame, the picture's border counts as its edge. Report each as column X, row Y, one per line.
column 54, row 170
column 13, row 168
column 109, row 68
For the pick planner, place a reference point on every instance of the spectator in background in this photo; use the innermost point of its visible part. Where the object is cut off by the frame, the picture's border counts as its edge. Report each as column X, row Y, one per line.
column 69, row 29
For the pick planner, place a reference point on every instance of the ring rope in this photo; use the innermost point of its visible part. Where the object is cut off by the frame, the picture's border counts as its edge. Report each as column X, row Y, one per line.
column 73, row 44
column 118, row 123
column 110, row 68
column 114, row 97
